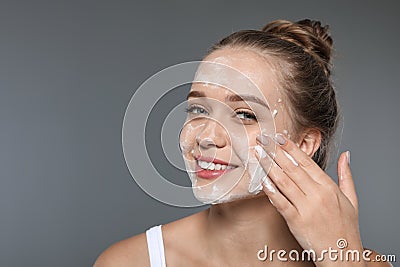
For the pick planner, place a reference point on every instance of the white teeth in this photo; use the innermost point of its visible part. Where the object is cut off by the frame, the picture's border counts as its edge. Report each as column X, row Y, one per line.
column 212, row 166
column 204, row 164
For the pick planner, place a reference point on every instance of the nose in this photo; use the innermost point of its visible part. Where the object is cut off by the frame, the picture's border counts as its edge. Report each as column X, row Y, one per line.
column 212, row 135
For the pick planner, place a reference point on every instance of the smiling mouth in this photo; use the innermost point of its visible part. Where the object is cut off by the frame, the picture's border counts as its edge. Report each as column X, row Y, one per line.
column 209, row 168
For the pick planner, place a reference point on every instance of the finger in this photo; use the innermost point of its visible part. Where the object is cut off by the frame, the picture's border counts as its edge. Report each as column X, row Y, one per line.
column 304, row 160
column 277, row 199
column 287, row 165
column 345, row 179
column 281, row 181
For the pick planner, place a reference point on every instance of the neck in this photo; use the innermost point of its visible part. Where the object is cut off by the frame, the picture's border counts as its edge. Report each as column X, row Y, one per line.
column 248, row 225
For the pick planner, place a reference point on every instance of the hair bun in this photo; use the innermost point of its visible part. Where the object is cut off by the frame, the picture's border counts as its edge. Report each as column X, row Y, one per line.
column 308, row 34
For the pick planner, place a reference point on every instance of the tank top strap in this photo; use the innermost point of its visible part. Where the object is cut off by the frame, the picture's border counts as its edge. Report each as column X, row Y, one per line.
column 155, row 245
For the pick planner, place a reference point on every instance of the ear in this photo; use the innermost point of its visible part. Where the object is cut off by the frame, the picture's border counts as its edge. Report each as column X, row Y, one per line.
column 310, row 141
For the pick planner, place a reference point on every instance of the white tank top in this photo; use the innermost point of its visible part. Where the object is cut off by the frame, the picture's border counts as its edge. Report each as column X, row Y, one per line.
column 155, row 246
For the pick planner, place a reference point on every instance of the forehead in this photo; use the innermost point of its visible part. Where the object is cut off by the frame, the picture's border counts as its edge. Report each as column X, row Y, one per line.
column 246, row 72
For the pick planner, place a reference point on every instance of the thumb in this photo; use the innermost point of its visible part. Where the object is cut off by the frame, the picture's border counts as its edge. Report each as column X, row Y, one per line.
column 346, row 183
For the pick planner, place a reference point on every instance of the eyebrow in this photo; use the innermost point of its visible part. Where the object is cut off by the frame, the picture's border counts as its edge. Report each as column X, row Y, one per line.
column 232, row 98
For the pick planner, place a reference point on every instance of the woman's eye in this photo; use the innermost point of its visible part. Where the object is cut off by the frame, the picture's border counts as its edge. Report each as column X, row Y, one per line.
column 246, row 116
column 196, row 110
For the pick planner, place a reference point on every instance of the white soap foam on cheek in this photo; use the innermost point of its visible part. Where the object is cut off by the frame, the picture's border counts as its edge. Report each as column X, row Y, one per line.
column 240, row 146
column 187, row 143
column 253, row 167
column 256, row 171
column 188, row 139
column 184, row 142
column 259, row 176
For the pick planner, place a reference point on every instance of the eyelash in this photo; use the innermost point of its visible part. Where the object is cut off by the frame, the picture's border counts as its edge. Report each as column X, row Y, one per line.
column 248, row 115
column 192, row 108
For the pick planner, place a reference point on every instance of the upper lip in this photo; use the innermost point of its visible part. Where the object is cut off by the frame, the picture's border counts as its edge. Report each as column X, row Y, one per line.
column 213, row 160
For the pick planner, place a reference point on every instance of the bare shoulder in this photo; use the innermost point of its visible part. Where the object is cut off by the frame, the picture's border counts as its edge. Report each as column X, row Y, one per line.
column 130, row 252
column 375, row 257
column 177, row 238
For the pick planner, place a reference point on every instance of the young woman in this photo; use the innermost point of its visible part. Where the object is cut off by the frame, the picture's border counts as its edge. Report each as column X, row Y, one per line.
column 299, row 207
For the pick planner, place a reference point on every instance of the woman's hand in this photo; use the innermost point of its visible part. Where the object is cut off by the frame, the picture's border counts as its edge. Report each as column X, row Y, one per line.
column 319, row 213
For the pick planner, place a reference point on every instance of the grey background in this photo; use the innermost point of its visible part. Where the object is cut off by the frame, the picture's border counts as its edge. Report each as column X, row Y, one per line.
column 69, row 68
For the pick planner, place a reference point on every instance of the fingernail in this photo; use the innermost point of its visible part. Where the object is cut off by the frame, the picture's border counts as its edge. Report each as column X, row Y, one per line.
column 262, row 139
column 280, row 139
column 348, row 157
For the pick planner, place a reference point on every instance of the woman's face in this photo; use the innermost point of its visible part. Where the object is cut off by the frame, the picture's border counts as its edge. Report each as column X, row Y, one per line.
column 235, row 96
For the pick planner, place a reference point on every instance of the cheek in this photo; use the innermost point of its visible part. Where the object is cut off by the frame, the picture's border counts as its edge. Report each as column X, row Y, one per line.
column 254, row 131
column 187, row 137
column 283, row 122
column 252, row 135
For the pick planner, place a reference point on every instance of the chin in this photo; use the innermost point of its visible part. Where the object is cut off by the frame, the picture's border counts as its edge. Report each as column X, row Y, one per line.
column 230, row 197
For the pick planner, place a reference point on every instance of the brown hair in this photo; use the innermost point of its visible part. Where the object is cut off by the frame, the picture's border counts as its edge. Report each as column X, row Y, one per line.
column 303, row 51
